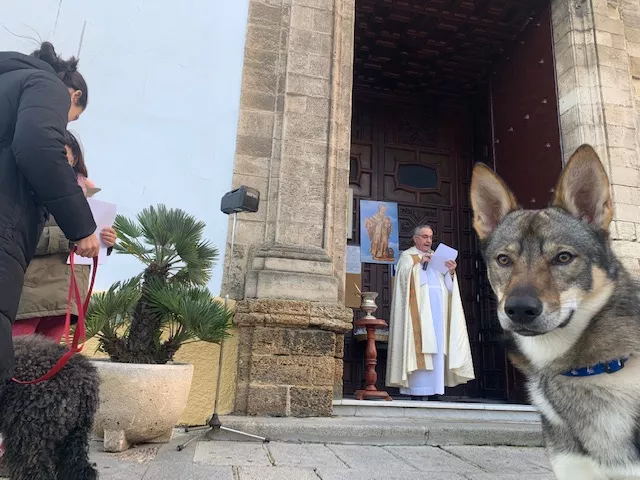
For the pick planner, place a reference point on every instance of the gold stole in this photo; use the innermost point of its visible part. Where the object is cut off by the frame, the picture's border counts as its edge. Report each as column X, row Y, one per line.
column 415, row 317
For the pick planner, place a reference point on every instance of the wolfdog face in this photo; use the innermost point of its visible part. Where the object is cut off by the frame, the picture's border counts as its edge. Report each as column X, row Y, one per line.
column 550, row 269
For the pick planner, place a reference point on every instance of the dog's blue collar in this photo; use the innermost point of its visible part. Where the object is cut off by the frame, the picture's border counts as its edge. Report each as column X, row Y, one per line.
column 609, row 367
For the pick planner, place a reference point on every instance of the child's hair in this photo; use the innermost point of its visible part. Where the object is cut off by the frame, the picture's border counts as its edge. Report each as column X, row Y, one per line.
column 67, row 70
column 76, row 150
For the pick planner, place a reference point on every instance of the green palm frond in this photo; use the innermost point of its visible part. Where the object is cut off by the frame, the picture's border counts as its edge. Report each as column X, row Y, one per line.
column 126, row 227
column 190, row 230
column 109, row 311
column 128, row 233
column 207, row 251
column 170, row 296
column 171, row 238
column 196, row 316
column 216, row 328
column 153, row 225
column 181, row 277
column 196, row 262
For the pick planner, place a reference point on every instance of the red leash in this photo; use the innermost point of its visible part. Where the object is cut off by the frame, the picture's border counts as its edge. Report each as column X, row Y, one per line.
column 79, row 336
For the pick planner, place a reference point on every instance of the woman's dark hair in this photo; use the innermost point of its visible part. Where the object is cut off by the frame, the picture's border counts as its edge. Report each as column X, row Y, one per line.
column 67, row 70
column 76, row 150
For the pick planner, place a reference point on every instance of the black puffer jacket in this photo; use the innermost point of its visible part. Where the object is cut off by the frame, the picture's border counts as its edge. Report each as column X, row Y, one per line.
column 35, row 177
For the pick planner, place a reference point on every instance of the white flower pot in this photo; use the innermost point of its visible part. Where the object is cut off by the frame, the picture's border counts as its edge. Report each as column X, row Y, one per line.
column 140, row 403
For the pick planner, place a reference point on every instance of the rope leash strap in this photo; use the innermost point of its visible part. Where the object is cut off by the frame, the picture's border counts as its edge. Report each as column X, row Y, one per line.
column 79, row 336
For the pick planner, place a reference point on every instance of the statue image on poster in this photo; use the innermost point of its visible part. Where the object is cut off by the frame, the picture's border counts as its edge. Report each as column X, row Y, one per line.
column 379, row 237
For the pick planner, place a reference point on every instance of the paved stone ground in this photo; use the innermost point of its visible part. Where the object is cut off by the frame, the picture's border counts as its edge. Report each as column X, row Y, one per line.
column 220, row 460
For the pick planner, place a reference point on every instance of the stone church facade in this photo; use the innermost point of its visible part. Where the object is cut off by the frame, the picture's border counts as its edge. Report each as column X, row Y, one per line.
column 293, row 144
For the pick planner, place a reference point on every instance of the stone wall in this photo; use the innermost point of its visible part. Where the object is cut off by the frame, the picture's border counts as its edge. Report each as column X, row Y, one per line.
column 629, row 13
column 597, row 47
column 290, row 361
column 288, row 264
column 293, row 145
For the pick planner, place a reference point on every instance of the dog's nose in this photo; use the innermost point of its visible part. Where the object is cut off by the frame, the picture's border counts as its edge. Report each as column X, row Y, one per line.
column 523, row 308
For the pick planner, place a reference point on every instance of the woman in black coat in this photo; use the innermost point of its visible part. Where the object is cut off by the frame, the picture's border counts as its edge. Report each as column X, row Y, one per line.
column 39, row 95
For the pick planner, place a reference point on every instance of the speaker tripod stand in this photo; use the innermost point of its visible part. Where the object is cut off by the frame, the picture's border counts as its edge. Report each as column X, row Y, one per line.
column 215, row 424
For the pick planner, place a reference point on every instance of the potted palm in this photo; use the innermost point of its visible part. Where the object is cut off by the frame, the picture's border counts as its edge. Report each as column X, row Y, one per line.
column 141, row 323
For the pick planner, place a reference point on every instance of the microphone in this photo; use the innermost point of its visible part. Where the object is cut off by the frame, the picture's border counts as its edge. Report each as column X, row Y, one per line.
column 425, row 264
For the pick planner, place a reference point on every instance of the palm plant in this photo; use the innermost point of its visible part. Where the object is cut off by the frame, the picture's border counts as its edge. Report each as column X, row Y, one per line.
column 146, row 319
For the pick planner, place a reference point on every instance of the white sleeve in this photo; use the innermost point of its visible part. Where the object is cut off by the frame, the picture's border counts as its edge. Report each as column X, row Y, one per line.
column 448, row 281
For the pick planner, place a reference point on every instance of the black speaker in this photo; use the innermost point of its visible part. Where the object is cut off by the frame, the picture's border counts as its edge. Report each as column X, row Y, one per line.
column 242, row 199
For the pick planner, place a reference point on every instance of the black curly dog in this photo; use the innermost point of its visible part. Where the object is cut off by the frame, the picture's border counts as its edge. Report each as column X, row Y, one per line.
column 46, row 426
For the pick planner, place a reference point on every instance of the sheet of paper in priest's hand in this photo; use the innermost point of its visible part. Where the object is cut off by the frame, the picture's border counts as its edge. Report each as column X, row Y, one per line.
column 443, row 254
column 104, row 214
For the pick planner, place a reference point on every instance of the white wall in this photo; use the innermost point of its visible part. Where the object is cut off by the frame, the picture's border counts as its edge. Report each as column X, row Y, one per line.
column 164, row 91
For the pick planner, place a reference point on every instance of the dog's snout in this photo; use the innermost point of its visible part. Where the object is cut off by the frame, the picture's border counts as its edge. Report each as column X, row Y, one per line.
column 523, row 308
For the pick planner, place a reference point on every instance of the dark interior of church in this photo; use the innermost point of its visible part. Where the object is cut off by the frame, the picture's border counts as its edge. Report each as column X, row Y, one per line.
column 439, row 85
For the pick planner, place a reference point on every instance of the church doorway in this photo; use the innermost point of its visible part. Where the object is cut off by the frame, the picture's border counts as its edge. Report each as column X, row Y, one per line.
column 438, row 86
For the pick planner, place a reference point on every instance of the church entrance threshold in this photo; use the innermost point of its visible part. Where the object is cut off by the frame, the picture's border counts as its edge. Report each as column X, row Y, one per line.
column 436, row 89
column 441, row 411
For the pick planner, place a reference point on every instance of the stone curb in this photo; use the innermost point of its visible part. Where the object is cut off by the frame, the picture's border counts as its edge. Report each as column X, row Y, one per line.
column 380, row 431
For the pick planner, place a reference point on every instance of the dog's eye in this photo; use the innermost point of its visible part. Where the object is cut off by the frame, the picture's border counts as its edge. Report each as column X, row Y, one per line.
column 503, row 260
column 563, row 258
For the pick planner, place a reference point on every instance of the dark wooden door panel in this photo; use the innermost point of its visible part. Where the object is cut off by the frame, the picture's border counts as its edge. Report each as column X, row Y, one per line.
column 494, row 375
column 527, row 149
column 361, row 177
column 528, row 152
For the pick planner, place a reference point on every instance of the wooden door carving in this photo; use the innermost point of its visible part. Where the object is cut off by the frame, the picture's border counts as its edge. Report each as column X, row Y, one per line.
column 417, row 171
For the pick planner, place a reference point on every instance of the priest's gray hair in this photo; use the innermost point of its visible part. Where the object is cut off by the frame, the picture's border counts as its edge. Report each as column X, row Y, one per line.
column 421, row 227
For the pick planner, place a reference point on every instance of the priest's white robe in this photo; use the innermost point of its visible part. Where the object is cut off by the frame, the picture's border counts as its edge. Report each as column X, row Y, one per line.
column 417, row 356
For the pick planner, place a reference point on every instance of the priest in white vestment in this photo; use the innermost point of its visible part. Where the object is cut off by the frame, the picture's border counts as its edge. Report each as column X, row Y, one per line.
column 428, row 341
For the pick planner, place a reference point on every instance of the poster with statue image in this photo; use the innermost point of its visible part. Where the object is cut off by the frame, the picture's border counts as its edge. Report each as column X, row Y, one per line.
column 379, row 238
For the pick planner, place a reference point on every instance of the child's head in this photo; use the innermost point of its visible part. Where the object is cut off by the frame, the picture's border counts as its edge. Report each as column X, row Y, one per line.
column 75, row 156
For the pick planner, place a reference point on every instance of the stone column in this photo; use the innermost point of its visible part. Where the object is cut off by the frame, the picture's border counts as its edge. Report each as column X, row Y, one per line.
column 597, row 45
column 293, row 145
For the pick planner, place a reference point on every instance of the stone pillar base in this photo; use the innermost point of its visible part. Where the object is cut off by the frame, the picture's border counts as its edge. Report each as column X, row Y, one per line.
column 293, row 273
column 289, row 357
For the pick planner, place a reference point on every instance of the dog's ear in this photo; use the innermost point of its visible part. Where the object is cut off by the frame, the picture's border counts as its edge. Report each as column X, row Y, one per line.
column 583, row 189
column 491, row 200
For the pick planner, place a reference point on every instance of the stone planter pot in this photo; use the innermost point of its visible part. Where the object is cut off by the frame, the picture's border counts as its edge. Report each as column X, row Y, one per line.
column 140, row 403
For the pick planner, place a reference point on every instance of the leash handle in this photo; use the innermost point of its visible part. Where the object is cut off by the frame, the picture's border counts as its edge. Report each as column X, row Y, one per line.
column 76, row 344
column 79, row 336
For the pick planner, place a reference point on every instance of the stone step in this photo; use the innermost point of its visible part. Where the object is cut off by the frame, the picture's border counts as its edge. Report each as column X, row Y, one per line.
column 383, row 431
column 443, row 411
